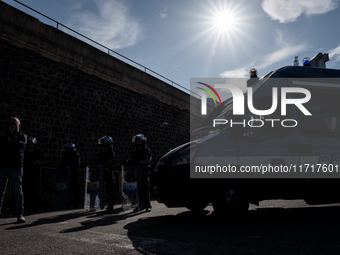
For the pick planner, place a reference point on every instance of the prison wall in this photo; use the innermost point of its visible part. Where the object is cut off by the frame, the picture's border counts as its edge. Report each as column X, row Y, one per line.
column 65, row 90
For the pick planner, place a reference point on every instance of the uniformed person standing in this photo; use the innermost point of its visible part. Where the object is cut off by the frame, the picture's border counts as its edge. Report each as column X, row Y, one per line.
column 33, row 161
column 142, row 157
column 71, row 161
column 106, row 158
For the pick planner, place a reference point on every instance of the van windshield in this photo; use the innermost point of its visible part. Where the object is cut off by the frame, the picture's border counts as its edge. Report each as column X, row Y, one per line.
column 219, row 113
column 261, row 81
column 223, row 111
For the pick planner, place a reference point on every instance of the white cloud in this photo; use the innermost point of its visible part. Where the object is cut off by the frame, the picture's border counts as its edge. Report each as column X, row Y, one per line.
column 284, row 50
column 163, row 14
column 106, row 22
column 236, row 73
column 334, row 54
column 288, row 51
column 289, row 10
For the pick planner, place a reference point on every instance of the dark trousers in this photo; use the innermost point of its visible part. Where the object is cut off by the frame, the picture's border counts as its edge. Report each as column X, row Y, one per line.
column 74, row 188
column 15, row 173
column 109, row 182
column 143, row 189
column 31, row 188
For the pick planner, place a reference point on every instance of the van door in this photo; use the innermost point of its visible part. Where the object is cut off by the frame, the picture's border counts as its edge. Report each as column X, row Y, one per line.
column 319, row 137
column 268, row 147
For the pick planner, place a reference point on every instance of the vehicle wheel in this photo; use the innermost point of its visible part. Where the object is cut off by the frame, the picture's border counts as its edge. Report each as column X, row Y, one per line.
column 197, row 207
column 233, row 201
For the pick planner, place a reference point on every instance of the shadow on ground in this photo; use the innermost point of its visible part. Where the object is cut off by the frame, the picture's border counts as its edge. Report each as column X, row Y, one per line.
column 312, row 230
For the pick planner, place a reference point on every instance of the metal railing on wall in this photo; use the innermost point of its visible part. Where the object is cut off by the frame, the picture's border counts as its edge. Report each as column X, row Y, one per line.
column 157, row 75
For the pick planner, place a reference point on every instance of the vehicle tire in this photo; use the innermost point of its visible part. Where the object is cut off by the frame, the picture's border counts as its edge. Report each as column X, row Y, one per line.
column 232, row 201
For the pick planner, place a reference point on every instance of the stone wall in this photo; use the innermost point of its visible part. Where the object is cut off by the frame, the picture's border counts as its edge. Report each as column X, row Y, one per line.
column 58, row 104
column 65, row 90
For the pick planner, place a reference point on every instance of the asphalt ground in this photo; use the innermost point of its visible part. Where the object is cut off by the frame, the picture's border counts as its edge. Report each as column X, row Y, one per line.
column 274, row 227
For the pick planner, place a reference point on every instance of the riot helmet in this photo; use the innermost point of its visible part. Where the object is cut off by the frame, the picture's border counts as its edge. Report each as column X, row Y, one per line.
column 105, row 141
column 32, row 139
column 69, row 147
column 31, row 142
column 141, row 137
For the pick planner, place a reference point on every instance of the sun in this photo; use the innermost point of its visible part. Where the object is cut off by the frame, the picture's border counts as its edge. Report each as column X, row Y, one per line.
column 224, row 21
column 221, row 28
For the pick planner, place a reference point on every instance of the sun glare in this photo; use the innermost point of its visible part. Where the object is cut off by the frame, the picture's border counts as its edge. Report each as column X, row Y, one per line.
column 222, row 29
column 224, row 21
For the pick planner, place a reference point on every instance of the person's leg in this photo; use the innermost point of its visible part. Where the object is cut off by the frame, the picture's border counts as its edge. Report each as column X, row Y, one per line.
column 3, row 183
column 140, row 190
column 28, row 188
column 35, row 192
column 16, row 178
column 74, row 189
column 145, row 192
column 109, row 185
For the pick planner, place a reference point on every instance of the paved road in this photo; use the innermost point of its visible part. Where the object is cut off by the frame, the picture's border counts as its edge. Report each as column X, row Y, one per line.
column 275, row 227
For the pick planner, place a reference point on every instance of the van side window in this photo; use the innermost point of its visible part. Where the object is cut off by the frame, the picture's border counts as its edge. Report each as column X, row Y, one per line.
column 325, row 119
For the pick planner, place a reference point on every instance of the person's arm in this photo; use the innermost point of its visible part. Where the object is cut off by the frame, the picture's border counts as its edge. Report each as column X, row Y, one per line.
column 37, row 162
column 63, row 162
column 147, row 160
column 75, row 163
column 17, row 142
column 3, row 142
column 148, row 157
column 129, row 160
column 108, row 163
column 41, row 160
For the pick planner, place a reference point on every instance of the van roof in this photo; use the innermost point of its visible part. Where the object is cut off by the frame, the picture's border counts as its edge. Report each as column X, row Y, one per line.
column 286, row 71
column 305, row 72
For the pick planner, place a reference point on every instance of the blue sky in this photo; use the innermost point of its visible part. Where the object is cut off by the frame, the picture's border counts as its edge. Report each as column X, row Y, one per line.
column 183, row 39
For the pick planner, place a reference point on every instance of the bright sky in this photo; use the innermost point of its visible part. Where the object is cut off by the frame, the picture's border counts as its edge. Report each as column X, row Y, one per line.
column 183, row 39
